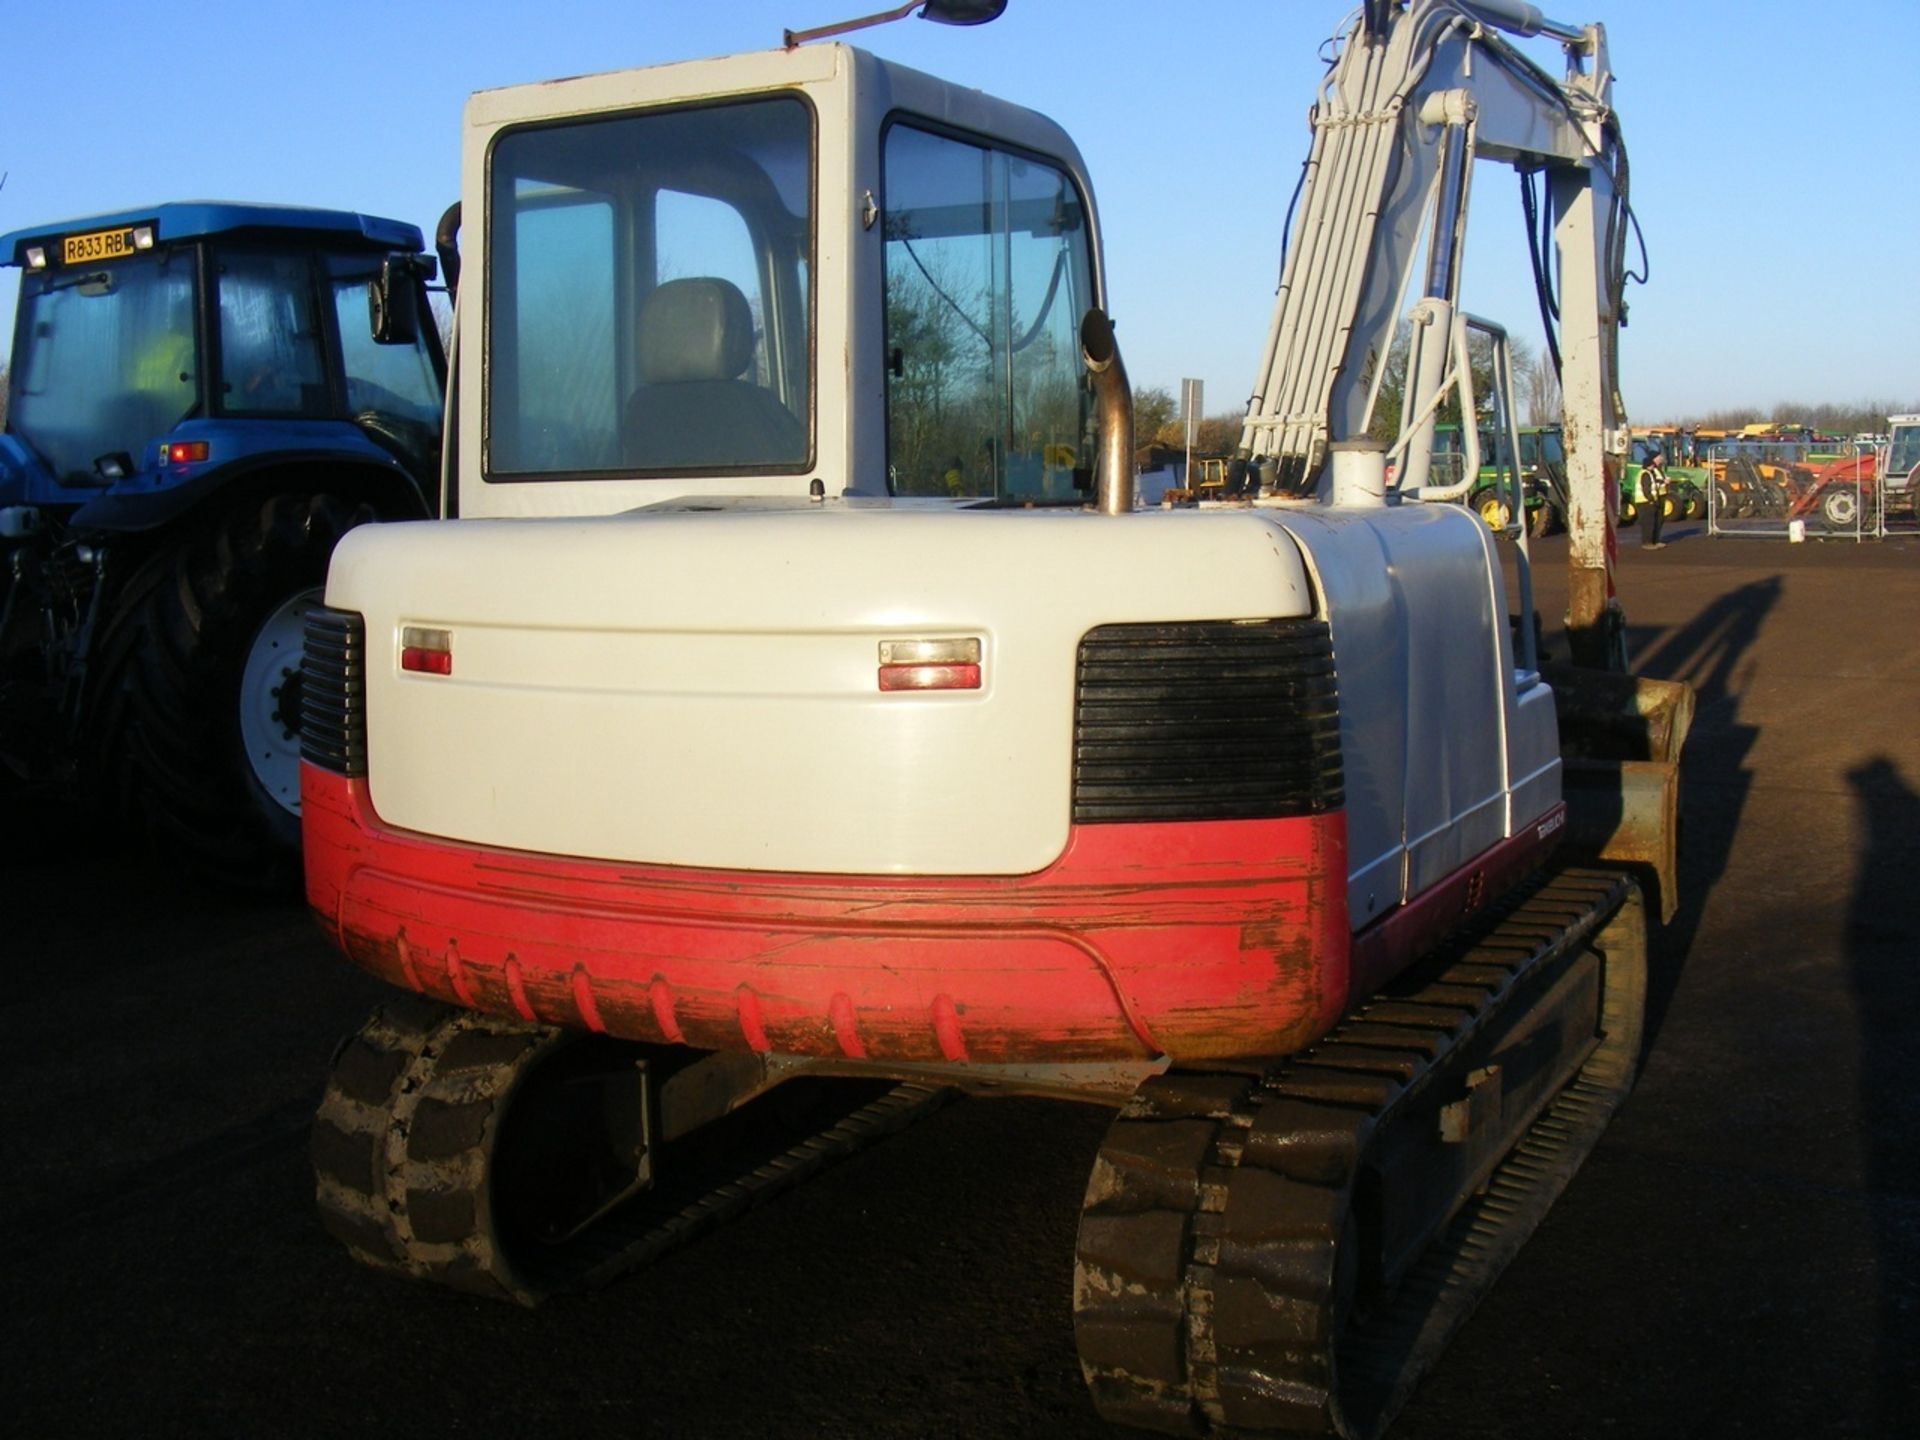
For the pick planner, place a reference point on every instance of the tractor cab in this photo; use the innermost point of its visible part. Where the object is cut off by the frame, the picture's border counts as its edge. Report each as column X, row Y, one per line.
column 202, row 397
column 1542, row 486
column 1903, row 457
column 155, row 348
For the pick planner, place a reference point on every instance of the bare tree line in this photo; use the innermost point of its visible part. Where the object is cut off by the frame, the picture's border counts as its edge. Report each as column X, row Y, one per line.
column 1158, row 420
column 1860, row 417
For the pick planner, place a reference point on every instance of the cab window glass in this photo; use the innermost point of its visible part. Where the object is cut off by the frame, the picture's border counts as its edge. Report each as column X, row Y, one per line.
column 271, row 362
column 988, row 273
column 1904, row 451
column 1449, row 455
column 393, row 380
column 648, row 302
column 105, row 360
column 563, row 362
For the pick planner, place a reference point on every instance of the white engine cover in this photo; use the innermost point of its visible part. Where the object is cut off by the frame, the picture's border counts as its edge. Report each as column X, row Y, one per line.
column 700, row 688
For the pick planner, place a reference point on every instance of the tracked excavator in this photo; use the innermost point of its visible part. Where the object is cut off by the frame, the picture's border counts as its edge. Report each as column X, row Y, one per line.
column 793, row 720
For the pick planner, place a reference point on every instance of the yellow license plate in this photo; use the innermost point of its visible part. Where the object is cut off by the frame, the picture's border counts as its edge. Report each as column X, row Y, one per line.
column 98, row 245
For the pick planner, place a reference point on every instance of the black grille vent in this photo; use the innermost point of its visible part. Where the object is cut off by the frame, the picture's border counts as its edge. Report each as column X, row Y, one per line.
column 1206, row 720
column 333, row 693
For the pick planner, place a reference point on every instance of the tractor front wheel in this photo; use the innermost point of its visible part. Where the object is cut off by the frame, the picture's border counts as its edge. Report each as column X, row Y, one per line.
column 1492, row 509
column 195, row 723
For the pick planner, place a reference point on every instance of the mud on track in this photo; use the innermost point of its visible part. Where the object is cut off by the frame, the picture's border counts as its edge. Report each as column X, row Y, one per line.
column 1740, row 1256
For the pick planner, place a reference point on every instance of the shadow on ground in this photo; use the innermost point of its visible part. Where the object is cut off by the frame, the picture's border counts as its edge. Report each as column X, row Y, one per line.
column 1707, row 652
column 1883, row 916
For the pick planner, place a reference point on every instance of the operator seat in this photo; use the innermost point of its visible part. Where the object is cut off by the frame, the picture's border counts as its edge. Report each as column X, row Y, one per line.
column 691, row 409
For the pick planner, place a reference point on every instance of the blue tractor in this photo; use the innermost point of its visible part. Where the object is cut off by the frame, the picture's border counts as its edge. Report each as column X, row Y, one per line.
column 201, row 399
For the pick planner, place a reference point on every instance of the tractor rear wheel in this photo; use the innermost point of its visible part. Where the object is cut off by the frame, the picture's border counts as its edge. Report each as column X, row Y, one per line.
column 1840, row 508
column 194, row 725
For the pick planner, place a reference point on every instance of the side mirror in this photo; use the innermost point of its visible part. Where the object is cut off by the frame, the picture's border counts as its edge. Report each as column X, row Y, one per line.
column 945, row 12
column 393, row 302
column 962, row 12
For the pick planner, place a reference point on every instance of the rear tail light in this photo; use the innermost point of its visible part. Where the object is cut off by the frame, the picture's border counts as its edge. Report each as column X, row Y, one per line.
column 426, row 651
column 930, row 665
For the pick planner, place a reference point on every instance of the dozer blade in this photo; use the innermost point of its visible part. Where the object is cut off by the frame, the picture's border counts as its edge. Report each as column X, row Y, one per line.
column 1620, row 742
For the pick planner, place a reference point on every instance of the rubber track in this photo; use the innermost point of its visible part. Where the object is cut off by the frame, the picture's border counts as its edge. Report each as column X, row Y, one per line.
column 1215, row 1267
column 404, row 1134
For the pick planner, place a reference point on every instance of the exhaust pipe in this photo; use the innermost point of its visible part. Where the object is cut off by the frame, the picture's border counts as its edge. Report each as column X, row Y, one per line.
column 446, row 240
column 1113, row 408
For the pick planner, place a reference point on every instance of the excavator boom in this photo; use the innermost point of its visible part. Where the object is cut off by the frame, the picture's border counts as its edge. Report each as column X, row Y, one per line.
column 1411, row 99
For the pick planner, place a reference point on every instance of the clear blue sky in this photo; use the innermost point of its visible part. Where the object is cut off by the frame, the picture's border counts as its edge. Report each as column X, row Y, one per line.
column 1765, row 141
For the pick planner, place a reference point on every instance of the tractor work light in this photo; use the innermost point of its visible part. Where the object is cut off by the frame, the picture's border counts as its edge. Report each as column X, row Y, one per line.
column 36, row 257
column 426, row 651
column 143, row 237
column 909, row 665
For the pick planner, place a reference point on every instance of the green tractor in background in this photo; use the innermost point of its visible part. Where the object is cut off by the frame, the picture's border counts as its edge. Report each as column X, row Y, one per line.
column 1687, row 484
column 1543, row 475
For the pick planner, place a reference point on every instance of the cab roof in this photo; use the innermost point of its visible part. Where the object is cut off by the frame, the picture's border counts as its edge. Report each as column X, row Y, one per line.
column 192, row 219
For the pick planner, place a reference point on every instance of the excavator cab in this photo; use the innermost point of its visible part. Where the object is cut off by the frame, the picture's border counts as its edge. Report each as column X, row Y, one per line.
column 671, row 310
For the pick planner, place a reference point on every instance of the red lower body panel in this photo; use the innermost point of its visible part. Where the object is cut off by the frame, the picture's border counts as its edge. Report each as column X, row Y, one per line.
column 1196, row 941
